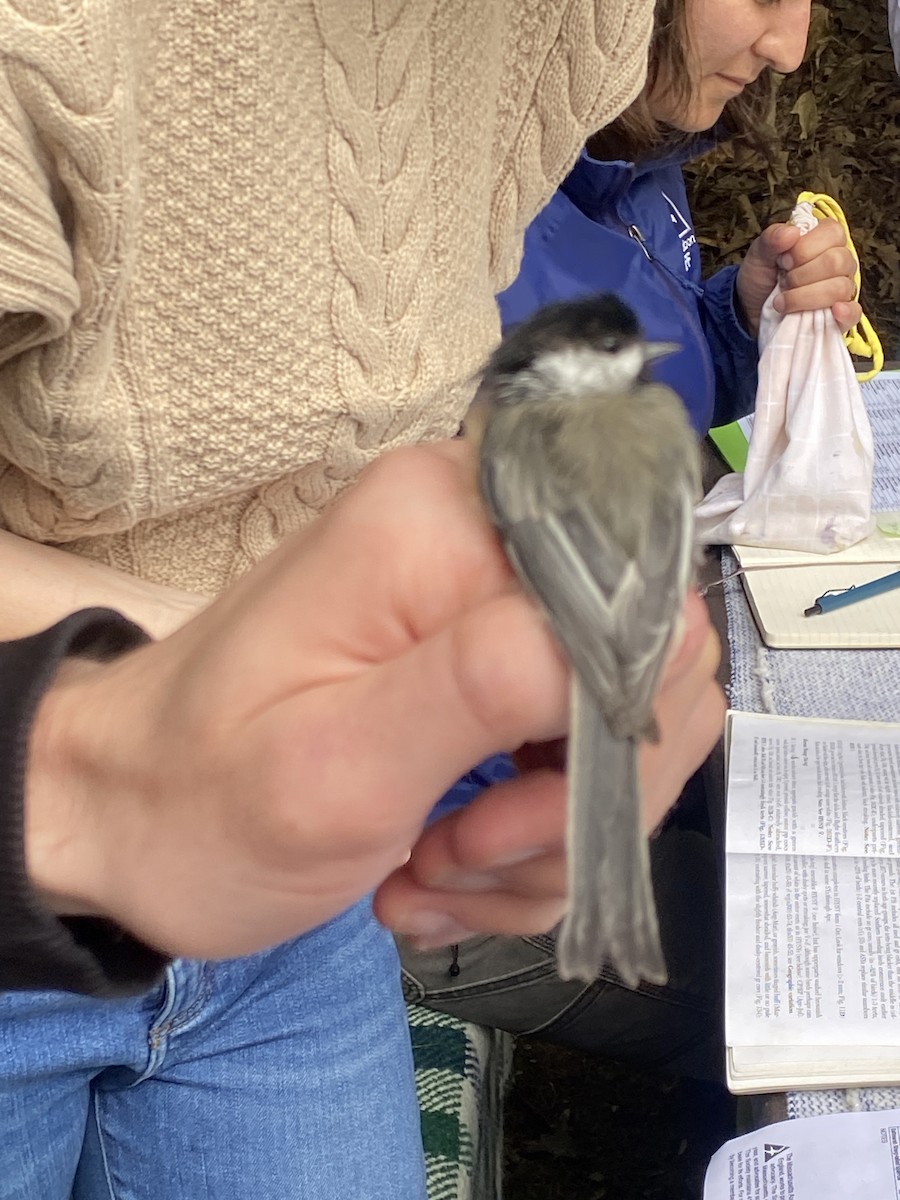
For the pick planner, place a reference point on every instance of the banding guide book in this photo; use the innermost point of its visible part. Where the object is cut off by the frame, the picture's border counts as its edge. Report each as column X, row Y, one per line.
column 812, row 903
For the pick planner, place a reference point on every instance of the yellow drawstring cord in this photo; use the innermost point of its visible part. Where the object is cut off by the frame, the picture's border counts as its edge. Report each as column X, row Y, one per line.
column 861, row 340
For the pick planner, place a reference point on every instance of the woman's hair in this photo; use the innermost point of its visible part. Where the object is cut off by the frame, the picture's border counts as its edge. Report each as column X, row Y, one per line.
column 636, row 133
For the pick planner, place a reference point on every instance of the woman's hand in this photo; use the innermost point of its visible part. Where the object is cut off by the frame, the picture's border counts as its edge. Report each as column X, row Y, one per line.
column 816, row 270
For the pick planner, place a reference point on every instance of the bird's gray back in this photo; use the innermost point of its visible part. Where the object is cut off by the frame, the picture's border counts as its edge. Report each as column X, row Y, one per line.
column 594, row 501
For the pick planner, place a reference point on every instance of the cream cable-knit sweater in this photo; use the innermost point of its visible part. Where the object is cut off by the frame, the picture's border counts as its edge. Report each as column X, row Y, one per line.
column 246, row 245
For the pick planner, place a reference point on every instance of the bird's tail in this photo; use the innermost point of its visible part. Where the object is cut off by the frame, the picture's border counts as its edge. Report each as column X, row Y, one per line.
column 612, row 912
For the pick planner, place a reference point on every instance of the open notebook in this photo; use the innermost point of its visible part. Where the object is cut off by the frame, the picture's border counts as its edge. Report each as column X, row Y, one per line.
column 780, row 584
column 812, row 873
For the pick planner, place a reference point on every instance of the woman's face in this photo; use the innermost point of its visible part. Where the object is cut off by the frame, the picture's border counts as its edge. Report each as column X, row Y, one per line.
column 730, row 43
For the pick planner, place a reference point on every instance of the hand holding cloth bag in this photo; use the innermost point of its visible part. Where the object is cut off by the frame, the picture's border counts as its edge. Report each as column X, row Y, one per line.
column 807, row 484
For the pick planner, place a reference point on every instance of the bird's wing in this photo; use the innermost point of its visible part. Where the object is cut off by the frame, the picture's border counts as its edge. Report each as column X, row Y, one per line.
column 612, row 610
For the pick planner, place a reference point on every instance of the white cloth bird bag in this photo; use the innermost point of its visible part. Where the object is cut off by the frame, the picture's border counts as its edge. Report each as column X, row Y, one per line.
column 807, row 484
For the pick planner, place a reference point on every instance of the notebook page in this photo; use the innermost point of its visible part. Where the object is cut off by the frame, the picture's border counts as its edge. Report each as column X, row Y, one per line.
column 779, row 595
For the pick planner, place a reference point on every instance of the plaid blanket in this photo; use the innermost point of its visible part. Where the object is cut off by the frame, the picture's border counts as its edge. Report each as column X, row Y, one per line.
column 461, row 1075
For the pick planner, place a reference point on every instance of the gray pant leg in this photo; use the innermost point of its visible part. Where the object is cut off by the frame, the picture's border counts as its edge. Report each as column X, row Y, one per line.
column 511, row 983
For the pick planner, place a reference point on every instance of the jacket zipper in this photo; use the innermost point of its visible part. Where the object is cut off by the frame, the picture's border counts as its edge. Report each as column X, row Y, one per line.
column 674, row 286
column 635, row 234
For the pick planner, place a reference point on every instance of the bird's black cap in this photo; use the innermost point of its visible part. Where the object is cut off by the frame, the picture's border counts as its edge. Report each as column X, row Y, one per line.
column 602, row 322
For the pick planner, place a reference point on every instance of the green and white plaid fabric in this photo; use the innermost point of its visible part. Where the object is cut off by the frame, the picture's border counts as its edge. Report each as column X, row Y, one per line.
column 461, row 1076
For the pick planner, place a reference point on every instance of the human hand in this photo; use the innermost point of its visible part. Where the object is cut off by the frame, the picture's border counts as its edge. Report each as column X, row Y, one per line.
column 498, row 865
column 263, row 767
column 44, row 584
column 816, row 270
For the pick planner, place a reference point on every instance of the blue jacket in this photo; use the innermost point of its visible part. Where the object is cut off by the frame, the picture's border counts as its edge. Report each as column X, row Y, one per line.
column 617, row 227
column 625, row 229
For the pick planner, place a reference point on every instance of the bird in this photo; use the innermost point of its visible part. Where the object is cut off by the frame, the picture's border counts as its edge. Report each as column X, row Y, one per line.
column 589, row 472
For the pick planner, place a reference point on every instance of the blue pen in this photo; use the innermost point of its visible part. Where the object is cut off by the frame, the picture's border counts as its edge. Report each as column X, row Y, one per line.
column 852, row 595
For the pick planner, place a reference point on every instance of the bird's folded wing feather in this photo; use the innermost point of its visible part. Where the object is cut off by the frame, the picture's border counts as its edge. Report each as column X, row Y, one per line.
column 613, row 612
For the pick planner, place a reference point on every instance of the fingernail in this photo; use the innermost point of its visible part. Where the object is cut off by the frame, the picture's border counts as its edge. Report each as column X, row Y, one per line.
column 778, row 303
column 786, row 261
column 427, row 930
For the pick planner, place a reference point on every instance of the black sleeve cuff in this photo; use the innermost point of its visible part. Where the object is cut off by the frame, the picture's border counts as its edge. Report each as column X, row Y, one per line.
column 38, row 949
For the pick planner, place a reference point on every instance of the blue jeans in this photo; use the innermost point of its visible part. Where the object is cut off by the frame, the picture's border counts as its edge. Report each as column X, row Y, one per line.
column 284, row 1074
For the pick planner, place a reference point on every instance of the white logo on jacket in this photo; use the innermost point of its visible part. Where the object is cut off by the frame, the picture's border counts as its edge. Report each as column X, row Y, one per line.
column 685, row 232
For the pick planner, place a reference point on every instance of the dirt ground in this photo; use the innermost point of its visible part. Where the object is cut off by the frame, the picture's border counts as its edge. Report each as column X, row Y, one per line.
column 577, row 1129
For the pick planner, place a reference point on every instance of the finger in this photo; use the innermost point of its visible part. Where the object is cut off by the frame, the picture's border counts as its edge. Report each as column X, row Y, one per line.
column 666, row 767
column 691, row 680
column 816, row 295
column 510, row 831
column 828, row 234
column 696, row 628
column 490, row 682
column 689, row 712
column 834, row 263
column 847, row 314
column 541, row 878
column 429, row 918
column 510, row 824
column 456, row 918
column 690, row 720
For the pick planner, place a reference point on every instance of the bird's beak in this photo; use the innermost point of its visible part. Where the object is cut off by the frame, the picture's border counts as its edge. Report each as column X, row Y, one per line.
column 655, row 350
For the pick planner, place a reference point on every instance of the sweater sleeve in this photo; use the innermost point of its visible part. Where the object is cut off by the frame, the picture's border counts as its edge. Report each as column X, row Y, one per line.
column 38, row 290
column 734, row 351
column 38, row 949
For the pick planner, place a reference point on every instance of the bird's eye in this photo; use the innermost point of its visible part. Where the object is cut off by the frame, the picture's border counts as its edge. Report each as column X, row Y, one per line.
column 610, row 343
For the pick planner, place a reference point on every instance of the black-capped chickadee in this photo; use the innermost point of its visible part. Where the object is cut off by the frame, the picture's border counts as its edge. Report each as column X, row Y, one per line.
column 590, row 473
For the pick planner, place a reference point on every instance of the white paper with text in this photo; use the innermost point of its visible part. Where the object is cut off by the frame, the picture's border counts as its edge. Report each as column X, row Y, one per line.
column 833, row 1157
column 813, row 883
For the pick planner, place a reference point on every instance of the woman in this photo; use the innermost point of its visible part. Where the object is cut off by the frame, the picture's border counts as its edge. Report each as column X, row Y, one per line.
column 620, row 222
column 233, row 239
